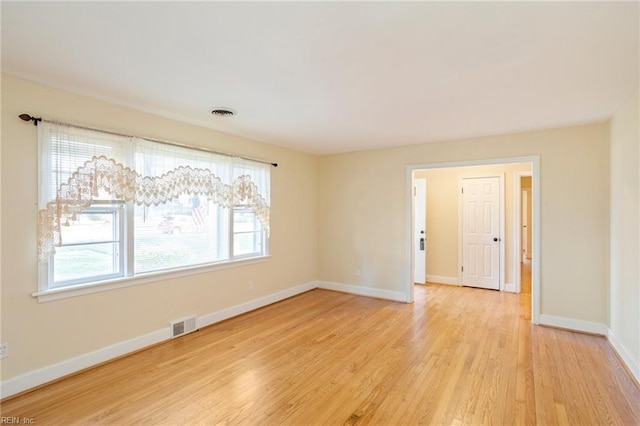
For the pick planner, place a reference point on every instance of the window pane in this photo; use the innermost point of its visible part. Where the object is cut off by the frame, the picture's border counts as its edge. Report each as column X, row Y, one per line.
column 85, row 261
column 247, row 243
column 90, row 226
column 247, row 233
column 244, row 220
column 178, row 234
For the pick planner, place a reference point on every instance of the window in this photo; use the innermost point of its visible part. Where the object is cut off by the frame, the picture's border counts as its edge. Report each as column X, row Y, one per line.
column 247, row 232
column 113, row 207
column 185, row 232
column 91, row 248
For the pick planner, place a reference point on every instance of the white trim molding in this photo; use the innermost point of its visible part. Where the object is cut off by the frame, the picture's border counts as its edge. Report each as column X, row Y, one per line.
column 443, row 280
column 396, row 296
column 151, row 277
column 535, row 222
column 632, row 365
column 49, row 373
column 517, row 222
column 254, row 304
column 596, row 328
column 574, row 324
column 510, row 288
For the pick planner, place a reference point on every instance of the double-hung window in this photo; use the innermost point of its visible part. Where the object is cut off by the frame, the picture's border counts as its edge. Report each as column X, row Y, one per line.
column 114, row 207
column 248, row 233
column 91, row 249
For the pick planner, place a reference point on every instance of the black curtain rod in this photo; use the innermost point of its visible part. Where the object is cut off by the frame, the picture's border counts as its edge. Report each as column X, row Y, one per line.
column 36, row 120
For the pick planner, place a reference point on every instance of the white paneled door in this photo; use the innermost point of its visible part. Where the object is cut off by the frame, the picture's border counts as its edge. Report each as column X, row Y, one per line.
column 481, row 237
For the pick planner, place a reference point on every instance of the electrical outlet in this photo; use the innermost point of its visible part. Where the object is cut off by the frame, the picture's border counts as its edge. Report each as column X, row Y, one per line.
column 4, row 350
column 250, row 285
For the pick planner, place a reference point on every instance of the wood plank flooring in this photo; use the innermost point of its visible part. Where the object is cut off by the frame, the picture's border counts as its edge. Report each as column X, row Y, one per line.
column 455, row 356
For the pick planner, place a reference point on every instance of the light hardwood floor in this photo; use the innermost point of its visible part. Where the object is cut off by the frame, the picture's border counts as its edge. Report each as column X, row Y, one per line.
column 455, row 356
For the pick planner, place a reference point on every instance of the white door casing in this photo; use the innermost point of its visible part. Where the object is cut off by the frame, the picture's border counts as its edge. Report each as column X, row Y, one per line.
column 419, row 230
column 517, row 218
column 525, row 223
column 481, row 232
column 534, row 222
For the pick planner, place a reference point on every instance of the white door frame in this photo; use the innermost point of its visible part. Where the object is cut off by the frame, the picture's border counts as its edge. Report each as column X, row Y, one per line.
column 524, row 214
column 423, row 278
column 502, row 269
column 518, row 223
column 535, row 222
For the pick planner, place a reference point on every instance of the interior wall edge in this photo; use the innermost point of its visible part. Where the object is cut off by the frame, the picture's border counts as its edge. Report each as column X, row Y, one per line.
column 624, row 355
column 378, row 293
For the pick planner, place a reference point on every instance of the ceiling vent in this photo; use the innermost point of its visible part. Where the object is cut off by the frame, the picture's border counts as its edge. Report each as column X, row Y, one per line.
column 223, row 112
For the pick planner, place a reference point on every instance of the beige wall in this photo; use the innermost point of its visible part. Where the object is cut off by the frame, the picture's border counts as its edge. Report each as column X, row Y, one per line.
column 624, row 295
column 330, row 215
column 43, row 334
column 443, row 220
column 363, row 213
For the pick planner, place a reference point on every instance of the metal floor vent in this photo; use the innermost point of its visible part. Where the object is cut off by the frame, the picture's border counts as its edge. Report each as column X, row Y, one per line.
column 183, row 326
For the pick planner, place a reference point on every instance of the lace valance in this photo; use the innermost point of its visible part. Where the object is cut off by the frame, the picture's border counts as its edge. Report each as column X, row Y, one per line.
column 102, row 177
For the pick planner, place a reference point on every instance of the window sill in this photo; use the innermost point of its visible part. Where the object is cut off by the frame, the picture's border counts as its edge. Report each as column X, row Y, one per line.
column 82, row 289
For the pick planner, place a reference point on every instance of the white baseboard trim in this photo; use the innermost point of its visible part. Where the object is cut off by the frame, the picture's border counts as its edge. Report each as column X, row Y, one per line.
column 632, row 365
column 573, row 324
column 47, row 374
column 442, row 280
column 510, row 287
column 52, row 372
column 379, row 293
column 252, row 305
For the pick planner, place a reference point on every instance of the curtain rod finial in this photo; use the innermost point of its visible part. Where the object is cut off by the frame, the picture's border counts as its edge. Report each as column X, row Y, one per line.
column 27, row 117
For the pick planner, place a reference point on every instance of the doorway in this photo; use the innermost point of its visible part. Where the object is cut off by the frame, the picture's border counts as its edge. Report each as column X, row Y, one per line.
column 512, row 270
column 524, row 222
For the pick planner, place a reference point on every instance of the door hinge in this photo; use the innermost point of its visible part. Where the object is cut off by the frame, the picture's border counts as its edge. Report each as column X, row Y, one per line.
column 462, row 269
column 462, row 190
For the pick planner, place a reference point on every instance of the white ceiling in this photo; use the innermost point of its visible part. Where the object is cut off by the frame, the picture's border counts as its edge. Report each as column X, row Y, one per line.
column 340, row 76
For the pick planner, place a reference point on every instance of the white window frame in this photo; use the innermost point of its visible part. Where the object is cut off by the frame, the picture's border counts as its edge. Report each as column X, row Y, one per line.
column 48, row 290
column 233, row 233
column 119, row 257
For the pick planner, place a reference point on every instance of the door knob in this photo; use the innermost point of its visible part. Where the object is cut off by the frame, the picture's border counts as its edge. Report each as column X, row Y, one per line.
column 495, row 239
